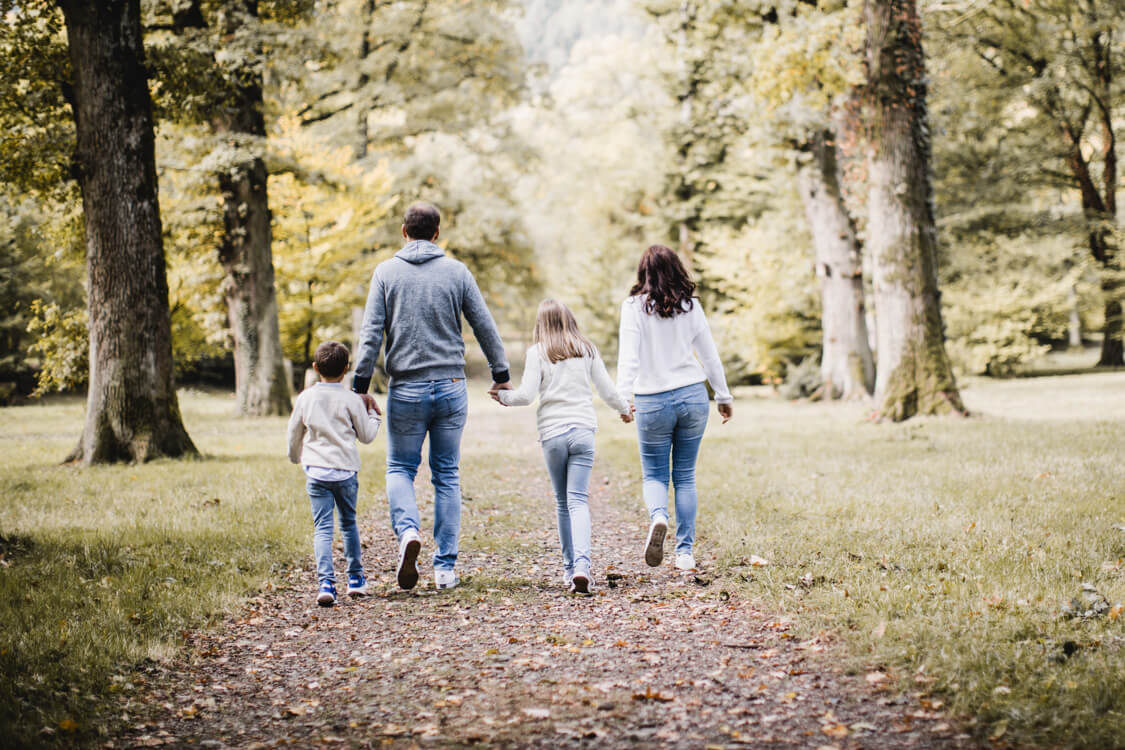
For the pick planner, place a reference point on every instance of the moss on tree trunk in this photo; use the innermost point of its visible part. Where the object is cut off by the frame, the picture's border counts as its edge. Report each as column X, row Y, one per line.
column 914, row 373
column 132, row 413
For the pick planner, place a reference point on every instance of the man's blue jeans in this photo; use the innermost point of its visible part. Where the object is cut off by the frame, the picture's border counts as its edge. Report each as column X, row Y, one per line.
column 326, row 497
column 570, row 459
column 672, row 423
column 436, row 408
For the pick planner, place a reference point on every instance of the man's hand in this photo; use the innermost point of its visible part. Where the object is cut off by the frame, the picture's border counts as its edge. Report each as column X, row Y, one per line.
column 497, row 387
column 370, row 404
column 726, row 411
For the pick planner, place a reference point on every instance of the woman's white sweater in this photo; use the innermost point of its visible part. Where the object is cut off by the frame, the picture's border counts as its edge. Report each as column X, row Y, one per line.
column 658, row 354
column 563, row 388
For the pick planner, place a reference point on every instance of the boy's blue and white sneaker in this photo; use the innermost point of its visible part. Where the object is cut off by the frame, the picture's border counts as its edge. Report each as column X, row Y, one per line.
column 327, row 595
column 654, row 546
column 357, row 586
column 408, row 548
column 446, row 579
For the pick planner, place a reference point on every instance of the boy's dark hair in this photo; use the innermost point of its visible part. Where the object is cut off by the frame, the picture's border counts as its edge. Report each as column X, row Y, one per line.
column 331, row 359
column 422, row 221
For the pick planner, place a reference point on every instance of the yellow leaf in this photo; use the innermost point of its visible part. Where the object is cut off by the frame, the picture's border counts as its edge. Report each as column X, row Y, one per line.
column 68, row 725
column 1115, row 612
column 835, row 730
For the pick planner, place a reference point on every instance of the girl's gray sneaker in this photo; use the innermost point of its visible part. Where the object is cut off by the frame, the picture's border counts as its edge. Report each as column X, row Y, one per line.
column 580, row 583
column 654, row 547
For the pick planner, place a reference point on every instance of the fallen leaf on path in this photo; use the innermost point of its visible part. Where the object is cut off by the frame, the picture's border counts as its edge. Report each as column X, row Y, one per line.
column 838, row 731
column 538, row 713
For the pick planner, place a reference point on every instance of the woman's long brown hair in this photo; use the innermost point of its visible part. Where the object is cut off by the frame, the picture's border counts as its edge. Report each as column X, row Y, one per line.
column 664, row 282
column 557, row 332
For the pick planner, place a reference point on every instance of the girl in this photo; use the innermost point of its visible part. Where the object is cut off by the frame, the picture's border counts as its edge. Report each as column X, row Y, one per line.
column 560, row 367
column 663, row 331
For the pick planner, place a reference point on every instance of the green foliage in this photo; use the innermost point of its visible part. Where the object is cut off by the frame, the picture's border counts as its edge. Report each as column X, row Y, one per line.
column 768, row 314
column 62, row 347
column 40, row 261
column 36, row 130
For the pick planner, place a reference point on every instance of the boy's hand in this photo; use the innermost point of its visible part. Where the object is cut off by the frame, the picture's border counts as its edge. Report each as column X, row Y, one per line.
column 370, row 403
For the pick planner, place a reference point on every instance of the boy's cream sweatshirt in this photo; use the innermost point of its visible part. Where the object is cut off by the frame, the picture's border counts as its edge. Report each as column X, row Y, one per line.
column 326, row 422
column 563, row 388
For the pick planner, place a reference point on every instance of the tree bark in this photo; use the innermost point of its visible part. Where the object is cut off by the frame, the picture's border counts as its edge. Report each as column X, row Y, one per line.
column 913, row 371
column 132, row 413
column 846, row 365
column 246, row 255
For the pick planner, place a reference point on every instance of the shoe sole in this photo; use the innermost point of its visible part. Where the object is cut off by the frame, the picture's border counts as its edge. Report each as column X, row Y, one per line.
column 325, row 601
column 357, row 593
column 654, row 550
column 580, row 584
column 444, row 586
column 408, row 566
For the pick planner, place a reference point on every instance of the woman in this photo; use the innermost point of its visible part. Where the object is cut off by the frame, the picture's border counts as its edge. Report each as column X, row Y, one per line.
column 665, row 353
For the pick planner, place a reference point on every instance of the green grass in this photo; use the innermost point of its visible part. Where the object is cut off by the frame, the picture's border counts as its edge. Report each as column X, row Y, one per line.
column 939, row 550
column 108, row 566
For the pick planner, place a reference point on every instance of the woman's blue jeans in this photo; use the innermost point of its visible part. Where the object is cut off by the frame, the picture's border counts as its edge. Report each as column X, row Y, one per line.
column 570, row 459
column 325, row 498
column 437, row 408
column 670, row 425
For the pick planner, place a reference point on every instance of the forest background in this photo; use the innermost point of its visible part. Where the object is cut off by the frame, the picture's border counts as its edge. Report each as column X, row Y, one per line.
column 559, row 140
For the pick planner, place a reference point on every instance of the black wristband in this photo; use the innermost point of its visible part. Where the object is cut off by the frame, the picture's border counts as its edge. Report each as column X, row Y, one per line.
column 501, row 377
column 360, row 384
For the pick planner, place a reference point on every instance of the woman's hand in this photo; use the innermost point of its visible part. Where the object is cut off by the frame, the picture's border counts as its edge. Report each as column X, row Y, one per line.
column 726, row 411
column 626, row 418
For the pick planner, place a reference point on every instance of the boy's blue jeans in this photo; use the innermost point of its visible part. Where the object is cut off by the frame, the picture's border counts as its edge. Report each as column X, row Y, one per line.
column 570, row 459
column 436, row 408
column 672, row 423
column 325, row 498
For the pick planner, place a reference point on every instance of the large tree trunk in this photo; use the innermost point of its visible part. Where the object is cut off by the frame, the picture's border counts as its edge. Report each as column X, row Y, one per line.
column 131, row 410
column 914, row 374
column 260, row 383
column 846, row 364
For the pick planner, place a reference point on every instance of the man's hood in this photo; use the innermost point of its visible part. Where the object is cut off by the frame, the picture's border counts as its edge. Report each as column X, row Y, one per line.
column 419, row 252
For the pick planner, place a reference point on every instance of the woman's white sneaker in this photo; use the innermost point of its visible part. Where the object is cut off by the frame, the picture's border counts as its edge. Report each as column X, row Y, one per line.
column 408, row 548
column 685, row 561
column 654, row 547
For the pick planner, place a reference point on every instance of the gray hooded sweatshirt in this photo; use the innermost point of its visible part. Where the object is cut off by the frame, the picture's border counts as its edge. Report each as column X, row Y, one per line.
column 417, row 299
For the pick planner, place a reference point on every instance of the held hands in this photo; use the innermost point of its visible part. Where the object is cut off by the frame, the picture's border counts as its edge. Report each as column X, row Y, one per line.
column 494, row 391
column 627, row 418
column 726, row 411
column 369, row 402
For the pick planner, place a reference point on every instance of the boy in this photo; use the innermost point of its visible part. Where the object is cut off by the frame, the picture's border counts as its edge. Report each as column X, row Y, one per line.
column 327, row 420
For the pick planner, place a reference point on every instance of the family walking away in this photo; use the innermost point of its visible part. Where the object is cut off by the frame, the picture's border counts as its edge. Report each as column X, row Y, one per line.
column 414, row 310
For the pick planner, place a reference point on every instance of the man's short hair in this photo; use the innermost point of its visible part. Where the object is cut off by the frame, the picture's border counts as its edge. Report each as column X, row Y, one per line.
column 422, row 221
column 331, row 359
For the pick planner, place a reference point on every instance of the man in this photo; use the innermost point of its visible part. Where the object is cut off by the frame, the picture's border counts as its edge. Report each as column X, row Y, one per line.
column 417, row 299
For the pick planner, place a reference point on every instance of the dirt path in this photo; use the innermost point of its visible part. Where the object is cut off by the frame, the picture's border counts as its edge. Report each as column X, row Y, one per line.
column 655, row 658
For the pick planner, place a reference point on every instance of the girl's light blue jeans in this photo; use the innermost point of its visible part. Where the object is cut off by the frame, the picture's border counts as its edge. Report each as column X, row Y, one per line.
column 325, row 498
column 570, row 459
column 671, row 425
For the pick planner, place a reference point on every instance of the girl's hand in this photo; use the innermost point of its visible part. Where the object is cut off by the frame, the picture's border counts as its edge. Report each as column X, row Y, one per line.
column 726, row 411
column 496, row 397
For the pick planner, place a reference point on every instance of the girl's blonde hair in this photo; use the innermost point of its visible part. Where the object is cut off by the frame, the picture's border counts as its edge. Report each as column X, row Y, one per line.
column 557, row 332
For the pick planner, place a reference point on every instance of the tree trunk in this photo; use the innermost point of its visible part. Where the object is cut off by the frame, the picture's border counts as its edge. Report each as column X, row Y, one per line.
column 914, row 375
column 846, row 364
column 1113, row 353
column 259, row 370
column 131, row 411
